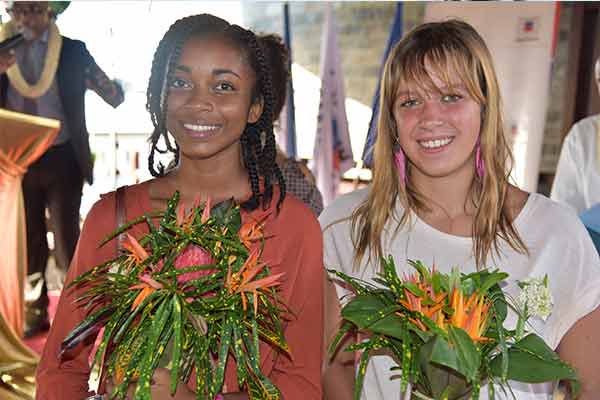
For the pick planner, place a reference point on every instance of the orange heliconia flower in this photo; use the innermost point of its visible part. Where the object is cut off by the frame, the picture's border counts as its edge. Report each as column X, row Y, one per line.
column 185, row 221
column 136, row 252
column 241, row 282
column 470, row 314
column 137, row 255
column 148, row 287
column 252, row 231
column 432, row 308
column 180, row 215
column 206, row 211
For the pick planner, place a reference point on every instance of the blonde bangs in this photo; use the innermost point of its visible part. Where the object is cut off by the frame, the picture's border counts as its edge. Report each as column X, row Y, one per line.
column 418, row 63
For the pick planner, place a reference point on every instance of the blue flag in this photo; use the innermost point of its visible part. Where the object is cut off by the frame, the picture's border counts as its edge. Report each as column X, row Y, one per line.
column 591, row 220
column 290, row 120
column 395, row 35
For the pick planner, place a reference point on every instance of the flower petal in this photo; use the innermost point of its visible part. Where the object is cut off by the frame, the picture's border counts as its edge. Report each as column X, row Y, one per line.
column 151, row 282
column 206, row 212
column 131, row 244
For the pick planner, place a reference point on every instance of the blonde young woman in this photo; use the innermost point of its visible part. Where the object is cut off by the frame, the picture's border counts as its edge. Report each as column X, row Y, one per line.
column 441, row 194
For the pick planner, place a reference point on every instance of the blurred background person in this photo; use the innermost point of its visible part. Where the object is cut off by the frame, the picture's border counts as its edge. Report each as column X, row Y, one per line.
column 47, row 76
column 577, row 180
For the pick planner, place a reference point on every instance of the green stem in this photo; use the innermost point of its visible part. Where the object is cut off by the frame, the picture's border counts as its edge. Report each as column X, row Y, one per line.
column 420, row 395
column 520, row 329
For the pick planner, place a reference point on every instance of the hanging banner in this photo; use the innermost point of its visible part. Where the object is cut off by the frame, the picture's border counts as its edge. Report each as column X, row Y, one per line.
column 332, row 152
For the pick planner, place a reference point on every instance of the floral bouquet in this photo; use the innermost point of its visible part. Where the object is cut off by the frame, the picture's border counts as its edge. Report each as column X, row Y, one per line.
column 446, row 332
column 188, row 295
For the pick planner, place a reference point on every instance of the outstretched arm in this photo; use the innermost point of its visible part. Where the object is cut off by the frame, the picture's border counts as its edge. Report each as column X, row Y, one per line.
column 110, row 91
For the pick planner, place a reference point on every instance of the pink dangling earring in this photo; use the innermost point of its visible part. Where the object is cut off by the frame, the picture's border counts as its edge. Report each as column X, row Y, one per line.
column 400, row 161
column 479, row 163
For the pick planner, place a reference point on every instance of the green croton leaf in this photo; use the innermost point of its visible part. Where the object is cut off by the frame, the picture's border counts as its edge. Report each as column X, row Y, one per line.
column 439, row 362
column 365, row 310
column 531, row 360
column 467, row 354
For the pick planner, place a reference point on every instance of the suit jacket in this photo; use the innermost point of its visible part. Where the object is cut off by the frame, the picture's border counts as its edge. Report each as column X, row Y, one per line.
column 73, row 69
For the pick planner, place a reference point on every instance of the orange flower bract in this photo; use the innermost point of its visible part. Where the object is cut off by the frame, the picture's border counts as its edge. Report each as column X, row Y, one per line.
column 241, row 282
column 470, row 314
column 252, row 231
column 136, row 252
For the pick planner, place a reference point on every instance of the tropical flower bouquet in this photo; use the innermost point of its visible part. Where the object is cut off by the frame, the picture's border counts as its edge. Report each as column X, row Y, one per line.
column 447, row 334
column 188, row 295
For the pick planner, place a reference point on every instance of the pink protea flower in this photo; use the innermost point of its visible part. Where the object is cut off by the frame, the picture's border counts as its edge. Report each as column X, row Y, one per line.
column 193, row 255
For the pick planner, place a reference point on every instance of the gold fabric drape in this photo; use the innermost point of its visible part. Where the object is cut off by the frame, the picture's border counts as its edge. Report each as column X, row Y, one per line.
column 17, row 366
column 23, row 139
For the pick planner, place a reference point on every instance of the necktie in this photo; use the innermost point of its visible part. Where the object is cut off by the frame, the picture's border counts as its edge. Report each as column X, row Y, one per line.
column 28, row 71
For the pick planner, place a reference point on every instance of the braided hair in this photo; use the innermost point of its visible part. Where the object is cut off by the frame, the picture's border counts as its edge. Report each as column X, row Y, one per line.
column 258, row 155
column 277, row 54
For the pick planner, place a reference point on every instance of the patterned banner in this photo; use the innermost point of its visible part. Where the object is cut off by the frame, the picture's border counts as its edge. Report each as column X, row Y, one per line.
column 332, row 154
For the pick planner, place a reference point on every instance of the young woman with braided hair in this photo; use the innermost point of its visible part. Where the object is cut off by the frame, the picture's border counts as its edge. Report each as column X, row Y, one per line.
column 210, row 99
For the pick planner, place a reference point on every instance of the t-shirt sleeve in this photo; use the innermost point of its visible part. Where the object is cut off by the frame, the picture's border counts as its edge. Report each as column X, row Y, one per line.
column 68, row 378
column 567, row 185
column 577, row 285
column 338, row 253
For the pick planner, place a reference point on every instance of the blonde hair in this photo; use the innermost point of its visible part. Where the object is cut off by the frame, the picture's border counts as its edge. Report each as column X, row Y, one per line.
column 445, row 46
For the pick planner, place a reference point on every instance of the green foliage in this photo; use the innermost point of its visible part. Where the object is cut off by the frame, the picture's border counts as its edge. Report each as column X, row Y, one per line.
column 532, row 361
column 186, row 324
column 439, row 359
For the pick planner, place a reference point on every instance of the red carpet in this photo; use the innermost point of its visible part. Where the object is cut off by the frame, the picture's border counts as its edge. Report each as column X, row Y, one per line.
column 37, row 342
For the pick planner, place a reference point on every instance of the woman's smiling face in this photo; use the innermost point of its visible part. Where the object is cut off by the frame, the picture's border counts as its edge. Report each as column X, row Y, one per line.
column 438, row 127
column 210, row 98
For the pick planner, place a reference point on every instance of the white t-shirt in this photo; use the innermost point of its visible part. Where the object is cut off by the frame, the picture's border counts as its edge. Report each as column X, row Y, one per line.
column 577, row 180
column 559, row 246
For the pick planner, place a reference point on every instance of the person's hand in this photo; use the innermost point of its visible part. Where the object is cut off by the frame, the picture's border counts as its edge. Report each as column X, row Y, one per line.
column 7, row 59
column 161, row 381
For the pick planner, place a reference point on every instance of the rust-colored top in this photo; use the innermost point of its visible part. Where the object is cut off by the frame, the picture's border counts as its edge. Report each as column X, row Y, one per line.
column 294, row 246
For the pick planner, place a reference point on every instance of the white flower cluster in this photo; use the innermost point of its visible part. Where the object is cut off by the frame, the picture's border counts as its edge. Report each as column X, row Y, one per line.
column 535, row 297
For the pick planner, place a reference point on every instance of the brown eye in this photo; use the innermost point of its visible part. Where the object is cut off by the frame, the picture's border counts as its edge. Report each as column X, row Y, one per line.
column 179, row 83
column 224, row 87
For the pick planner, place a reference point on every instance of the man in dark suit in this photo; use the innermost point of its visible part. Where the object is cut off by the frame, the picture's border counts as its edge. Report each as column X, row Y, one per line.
column 49, row 79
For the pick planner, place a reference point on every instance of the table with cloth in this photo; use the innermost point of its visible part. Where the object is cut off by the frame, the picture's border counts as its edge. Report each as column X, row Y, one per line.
column 23, row 139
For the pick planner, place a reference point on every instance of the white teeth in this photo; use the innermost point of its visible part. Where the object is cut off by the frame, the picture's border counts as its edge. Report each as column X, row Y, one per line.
column 434, row 144
column 200, row 128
